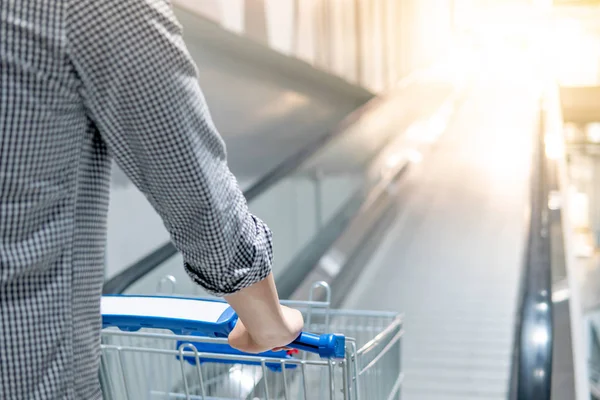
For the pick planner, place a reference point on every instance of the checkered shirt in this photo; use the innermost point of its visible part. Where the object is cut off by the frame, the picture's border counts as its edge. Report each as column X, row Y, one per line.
column 82, row 82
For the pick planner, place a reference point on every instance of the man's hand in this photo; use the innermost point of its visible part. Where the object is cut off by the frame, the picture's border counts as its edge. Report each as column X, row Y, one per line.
column 263, row 324
column 267, row 338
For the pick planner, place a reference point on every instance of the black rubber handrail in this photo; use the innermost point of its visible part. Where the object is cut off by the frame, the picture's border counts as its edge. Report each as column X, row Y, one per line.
column 532, row 356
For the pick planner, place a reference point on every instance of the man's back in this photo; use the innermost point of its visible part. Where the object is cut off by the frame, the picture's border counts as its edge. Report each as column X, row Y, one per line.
column 54, row 173
column 82, row 79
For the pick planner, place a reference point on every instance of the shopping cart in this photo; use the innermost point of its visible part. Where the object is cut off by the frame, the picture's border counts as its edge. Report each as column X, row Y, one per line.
column 160, row 347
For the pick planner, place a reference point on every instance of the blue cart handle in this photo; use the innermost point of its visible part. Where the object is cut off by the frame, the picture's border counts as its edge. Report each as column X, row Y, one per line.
column 326, row 346
column 197, row 316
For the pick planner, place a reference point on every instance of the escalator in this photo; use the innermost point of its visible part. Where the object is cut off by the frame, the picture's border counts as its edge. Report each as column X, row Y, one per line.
column 452, row 261
column 472, row 255
column 431, row 201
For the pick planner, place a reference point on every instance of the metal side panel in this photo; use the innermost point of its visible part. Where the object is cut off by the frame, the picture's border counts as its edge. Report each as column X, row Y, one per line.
column 452, row 260
column 266, row 105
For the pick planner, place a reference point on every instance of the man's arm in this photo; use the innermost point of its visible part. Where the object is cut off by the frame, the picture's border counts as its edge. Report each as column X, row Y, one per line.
column 141, row 90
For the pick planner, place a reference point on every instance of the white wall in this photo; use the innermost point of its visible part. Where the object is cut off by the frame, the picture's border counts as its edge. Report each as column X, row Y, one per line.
column 370, row 42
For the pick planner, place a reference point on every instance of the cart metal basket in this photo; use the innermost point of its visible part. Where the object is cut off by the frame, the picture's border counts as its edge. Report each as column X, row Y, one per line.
column 155, row 363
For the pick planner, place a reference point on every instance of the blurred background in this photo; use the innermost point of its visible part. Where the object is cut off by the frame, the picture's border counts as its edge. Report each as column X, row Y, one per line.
column 439, row 158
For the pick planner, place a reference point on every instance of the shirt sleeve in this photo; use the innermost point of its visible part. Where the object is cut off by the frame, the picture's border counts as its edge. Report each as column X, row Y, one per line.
column 141, row 90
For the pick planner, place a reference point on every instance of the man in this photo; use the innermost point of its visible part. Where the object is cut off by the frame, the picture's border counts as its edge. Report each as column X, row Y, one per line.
column 83, row 81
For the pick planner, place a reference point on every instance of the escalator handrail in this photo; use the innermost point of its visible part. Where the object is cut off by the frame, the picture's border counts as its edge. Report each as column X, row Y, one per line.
column 532, row 355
